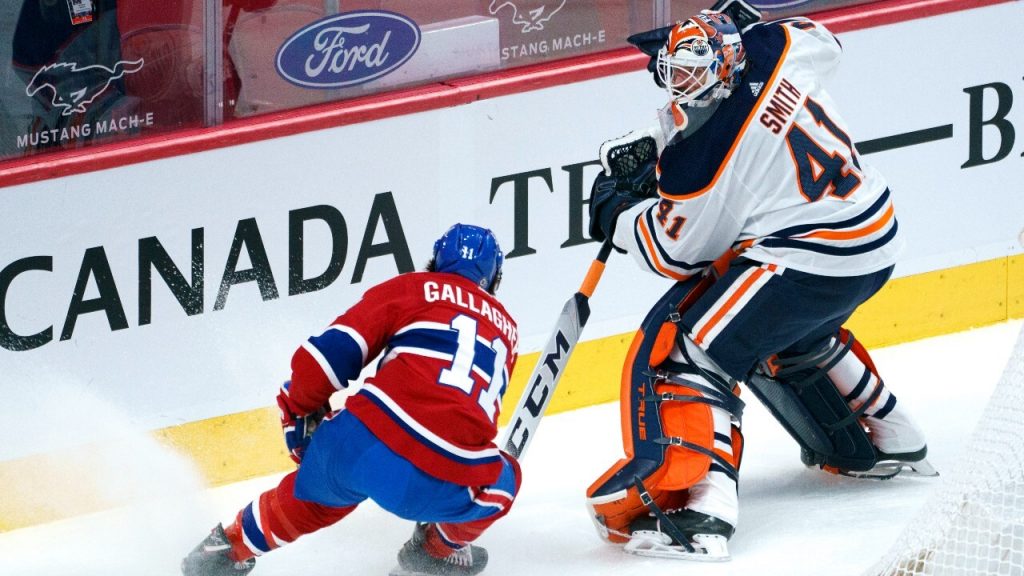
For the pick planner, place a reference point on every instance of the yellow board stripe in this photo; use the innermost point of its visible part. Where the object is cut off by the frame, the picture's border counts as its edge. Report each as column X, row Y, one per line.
column 941, row 302
column 1015, row 286
column 236, row 447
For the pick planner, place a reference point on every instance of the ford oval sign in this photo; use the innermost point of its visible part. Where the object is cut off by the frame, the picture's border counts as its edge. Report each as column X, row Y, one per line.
column 347, row 49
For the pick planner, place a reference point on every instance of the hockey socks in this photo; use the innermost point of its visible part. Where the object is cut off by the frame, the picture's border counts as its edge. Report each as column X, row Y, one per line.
column 276, row 518
column 891, row 429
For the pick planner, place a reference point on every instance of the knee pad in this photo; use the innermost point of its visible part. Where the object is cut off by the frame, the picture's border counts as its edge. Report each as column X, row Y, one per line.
column 800, row 394
column 667, row 427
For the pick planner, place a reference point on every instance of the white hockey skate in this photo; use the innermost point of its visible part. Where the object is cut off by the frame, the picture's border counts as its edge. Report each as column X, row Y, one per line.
column 707, row 537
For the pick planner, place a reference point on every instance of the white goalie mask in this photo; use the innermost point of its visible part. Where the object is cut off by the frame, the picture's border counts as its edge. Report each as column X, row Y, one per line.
column 702, row 60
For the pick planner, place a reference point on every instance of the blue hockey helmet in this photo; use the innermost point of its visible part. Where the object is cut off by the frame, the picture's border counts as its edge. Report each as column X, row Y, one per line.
column 470, row 251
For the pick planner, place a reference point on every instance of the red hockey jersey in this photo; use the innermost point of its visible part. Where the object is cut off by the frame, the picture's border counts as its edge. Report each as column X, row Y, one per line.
column 446, row 350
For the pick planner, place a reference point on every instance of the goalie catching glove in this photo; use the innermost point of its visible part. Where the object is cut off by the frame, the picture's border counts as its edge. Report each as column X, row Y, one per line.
column 298, row 428
column 629, row 177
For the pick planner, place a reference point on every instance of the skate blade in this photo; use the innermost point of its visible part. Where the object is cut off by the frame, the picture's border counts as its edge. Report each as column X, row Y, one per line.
column 707, row 547
column 891, row 469
column 923, row 468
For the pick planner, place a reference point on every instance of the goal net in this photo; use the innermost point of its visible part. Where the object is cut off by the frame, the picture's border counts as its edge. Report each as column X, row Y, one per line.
column 974, row 522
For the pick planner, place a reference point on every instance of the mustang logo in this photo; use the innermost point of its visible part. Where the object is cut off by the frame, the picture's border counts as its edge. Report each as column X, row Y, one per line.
column 75, row 88
column 530, row 15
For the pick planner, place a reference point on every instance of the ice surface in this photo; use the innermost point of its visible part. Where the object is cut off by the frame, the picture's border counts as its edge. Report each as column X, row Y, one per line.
column 793, row 521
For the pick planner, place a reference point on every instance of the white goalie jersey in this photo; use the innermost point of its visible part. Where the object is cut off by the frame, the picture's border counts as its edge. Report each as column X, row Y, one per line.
column 773, row 172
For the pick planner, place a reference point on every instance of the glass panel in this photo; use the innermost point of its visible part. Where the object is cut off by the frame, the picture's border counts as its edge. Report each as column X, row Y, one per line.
column 770, row 9
column 168, row 37
column 89, row 71
column 96, row 71
column 537, row 31
column 253, row 34
column 327, row 53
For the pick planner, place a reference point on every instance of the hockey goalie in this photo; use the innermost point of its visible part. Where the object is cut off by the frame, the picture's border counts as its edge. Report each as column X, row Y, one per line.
column 750, row 194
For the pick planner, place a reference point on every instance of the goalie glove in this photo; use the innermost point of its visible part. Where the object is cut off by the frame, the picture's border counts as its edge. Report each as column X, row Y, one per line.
column 298, row 429
column 611, row 195
column 622, row 157
column 629, row 176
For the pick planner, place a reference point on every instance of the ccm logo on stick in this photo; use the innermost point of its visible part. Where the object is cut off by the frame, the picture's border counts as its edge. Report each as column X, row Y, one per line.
column 539, row 391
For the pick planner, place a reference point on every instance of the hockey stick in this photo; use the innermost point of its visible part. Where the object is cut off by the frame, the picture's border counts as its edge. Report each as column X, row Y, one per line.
column 553, row 358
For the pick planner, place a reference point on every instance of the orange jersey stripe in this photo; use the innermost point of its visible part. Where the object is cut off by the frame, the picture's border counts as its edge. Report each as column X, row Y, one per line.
column 652, row 251
column 854, row 234
column 731, row 302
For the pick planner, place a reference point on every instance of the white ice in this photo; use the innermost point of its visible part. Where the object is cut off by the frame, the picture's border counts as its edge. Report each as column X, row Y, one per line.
column 793, row 521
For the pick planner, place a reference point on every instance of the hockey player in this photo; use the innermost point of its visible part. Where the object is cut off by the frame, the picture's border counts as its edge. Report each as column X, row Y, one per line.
column 750, row 194
column 417, row 437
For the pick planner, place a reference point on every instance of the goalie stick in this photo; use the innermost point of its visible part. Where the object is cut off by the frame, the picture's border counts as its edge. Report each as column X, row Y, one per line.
column 553, row 359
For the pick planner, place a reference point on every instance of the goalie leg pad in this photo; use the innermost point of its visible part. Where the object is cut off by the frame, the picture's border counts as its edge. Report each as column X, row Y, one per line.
column 614, row 501
column 798, row 391
column 669, row 429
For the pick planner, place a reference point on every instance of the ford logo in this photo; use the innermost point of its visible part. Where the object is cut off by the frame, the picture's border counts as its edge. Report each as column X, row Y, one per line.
column 347, row 49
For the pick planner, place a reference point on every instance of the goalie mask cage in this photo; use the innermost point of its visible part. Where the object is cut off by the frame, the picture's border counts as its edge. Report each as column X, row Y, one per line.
column 974, row 522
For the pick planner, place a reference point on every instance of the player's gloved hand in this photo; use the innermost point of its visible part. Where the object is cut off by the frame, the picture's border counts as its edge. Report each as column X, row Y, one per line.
column 624, row 156
column 298, row 428
column 611, row 195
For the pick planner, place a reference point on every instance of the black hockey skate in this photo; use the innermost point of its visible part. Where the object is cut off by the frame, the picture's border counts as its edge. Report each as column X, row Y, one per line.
column 888, row 465
column 706, row 537
column 413, row 559
column 211, row 558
